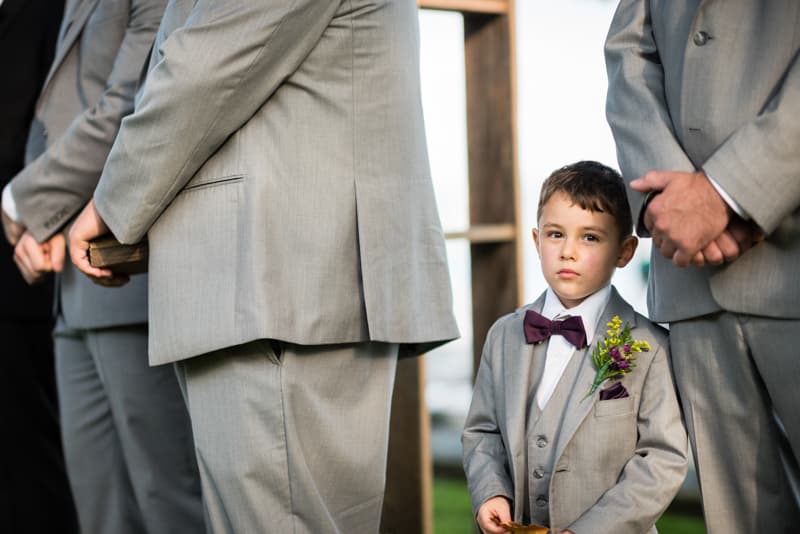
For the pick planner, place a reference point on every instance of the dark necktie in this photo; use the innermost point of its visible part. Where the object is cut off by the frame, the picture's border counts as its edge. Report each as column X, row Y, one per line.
column 539, row 328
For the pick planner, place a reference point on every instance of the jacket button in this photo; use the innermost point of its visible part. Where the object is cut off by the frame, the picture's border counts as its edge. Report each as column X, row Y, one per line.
column 541, row 501
column 538, row 473
column 541, row 442
column 701, row 38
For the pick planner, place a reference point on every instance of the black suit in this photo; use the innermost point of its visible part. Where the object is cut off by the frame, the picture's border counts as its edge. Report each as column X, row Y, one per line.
column 34, row 494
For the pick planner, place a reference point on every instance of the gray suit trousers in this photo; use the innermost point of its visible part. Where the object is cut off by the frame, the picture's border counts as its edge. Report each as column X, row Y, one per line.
column 127, row 437
column 737, row 378
column 292, row 438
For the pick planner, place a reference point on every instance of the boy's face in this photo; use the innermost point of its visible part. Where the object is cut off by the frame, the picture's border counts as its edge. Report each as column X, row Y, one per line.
column 579, row 249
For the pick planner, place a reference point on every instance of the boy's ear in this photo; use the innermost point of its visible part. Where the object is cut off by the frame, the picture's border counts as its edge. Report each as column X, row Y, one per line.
column 627, row 250
column 535, row 233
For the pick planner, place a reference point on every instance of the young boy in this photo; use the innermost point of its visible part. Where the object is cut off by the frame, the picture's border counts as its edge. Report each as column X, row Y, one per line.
column 547, row 439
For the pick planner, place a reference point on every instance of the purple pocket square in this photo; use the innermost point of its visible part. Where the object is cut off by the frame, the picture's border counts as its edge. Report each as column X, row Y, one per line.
column 614, row 391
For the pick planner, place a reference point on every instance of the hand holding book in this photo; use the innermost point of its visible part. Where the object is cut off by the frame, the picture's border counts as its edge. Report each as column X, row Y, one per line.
column 111, row 265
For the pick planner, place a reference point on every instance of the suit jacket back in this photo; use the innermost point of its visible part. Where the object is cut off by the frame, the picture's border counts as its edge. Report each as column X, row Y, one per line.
column 277, row 161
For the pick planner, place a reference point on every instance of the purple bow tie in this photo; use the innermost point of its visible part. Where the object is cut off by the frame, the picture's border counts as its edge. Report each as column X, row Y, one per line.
column 538, row 328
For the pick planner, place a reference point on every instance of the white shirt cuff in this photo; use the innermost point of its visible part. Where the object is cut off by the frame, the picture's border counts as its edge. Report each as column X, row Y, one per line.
column 9, row 206
column 729, row 200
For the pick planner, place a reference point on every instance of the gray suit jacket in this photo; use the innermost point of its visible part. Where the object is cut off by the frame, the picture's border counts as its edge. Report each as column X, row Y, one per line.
column 102, row 48
column 729, row 105
column 277, row 162
column 618, row 462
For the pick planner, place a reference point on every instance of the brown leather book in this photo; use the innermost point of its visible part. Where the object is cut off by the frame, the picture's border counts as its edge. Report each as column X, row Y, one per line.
column 108, row 253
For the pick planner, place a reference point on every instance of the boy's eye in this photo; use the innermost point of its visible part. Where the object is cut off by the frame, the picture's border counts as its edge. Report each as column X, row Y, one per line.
column 591, row 237
column 554, row 234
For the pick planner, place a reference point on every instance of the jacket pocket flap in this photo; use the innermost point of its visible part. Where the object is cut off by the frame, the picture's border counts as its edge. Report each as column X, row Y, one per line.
column 608, row 408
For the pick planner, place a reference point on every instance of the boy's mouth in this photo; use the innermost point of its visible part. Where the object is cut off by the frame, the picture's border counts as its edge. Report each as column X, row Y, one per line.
column 567, row 273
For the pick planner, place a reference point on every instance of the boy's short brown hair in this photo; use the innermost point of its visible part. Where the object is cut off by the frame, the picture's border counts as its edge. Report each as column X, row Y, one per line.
column 593, row 187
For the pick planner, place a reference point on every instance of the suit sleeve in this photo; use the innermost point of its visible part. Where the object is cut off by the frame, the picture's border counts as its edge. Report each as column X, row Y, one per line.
column 653, row 476
column 217, row 70
column 636, row 106
column 485, row 455
column 56, row 185
column 759, row 164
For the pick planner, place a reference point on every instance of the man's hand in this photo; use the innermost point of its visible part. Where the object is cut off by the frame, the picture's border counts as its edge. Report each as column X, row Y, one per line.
column 89, row 225
column 12, row 229
column 36, row 260
column 686, row 216
column 739, row 237
column 492, row 513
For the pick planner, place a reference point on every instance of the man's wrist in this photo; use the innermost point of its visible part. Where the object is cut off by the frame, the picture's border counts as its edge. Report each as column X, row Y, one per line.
column 734, row 207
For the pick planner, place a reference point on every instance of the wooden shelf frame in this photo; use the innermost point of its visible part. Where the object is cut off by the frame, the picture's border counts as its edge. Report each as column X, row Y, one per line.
column 495, row 7
column 486, row 233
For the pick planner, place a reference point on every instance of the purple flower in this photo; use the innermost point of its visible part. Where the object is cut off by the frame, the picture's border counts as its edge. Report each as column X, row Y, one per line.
column 623, row 366
column 614, row 351
column 626, row 349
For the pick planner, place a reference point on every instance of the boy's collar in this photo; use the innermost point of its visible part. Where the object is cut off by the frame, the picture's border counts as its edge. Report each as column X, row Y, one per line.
column 589, row 310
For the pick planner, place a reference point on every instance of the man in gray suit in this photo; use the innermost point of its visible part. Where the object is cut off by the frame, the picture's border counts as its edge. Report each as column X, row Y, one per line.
column 276, row 160
column 126, row 431
column 704, row 100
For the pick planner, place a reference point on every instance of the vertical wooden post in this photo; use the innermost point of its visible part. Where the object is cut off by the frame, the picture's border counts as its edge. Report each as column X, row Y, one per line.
column 493, row 183
column 408, row 503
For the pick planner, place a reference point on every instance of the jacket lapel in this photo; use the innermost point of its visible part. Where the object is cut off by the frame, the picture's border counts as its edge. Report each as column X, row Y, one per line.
column 71, row 28
column 520, row 362
column 579, row 407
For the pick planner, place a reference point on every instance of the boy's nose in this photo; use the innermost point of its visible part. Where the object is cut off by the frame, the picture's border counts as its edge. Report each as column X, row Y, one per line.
column 568, row 250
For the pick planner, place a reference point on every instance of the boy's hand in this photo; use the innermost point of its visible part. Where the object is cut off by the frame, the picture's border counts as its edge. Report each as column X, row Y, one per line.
column 492, row 513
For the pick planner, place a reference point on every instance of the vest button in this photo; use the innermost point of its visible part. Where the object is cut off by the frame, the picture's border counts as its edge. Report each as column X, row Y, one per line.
column 538, row 473
column 541, row 501
column 541, row 442
column 701, row 38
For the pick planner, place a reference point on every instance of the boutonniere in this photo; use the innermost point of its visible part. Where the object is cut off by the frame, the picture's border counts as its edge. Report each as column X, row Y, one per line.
column 615, row 355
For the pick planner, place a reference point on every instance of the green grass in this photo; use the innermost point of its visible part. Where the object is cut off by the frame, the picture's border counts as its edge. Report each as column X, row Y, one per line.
column 451, row 510
column 680, row 524
column 452, row 514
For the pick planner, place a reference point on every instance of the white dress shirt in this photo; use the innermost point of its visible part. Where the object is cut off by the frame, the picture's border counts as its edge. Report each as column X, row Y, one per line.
column 8, row 204
column 729, row 200
column 559, row 350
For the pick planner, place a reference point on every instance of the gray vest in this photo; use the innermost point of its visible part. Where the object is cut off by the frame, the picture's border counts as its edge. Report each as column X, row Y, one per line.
column 542, row 430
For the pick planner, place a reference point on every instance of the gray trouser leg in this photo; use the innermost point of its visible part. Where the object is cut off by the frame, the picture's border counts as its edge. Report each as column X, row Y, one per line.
column 735, row 373
column 292, row 438
column 127, row 437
